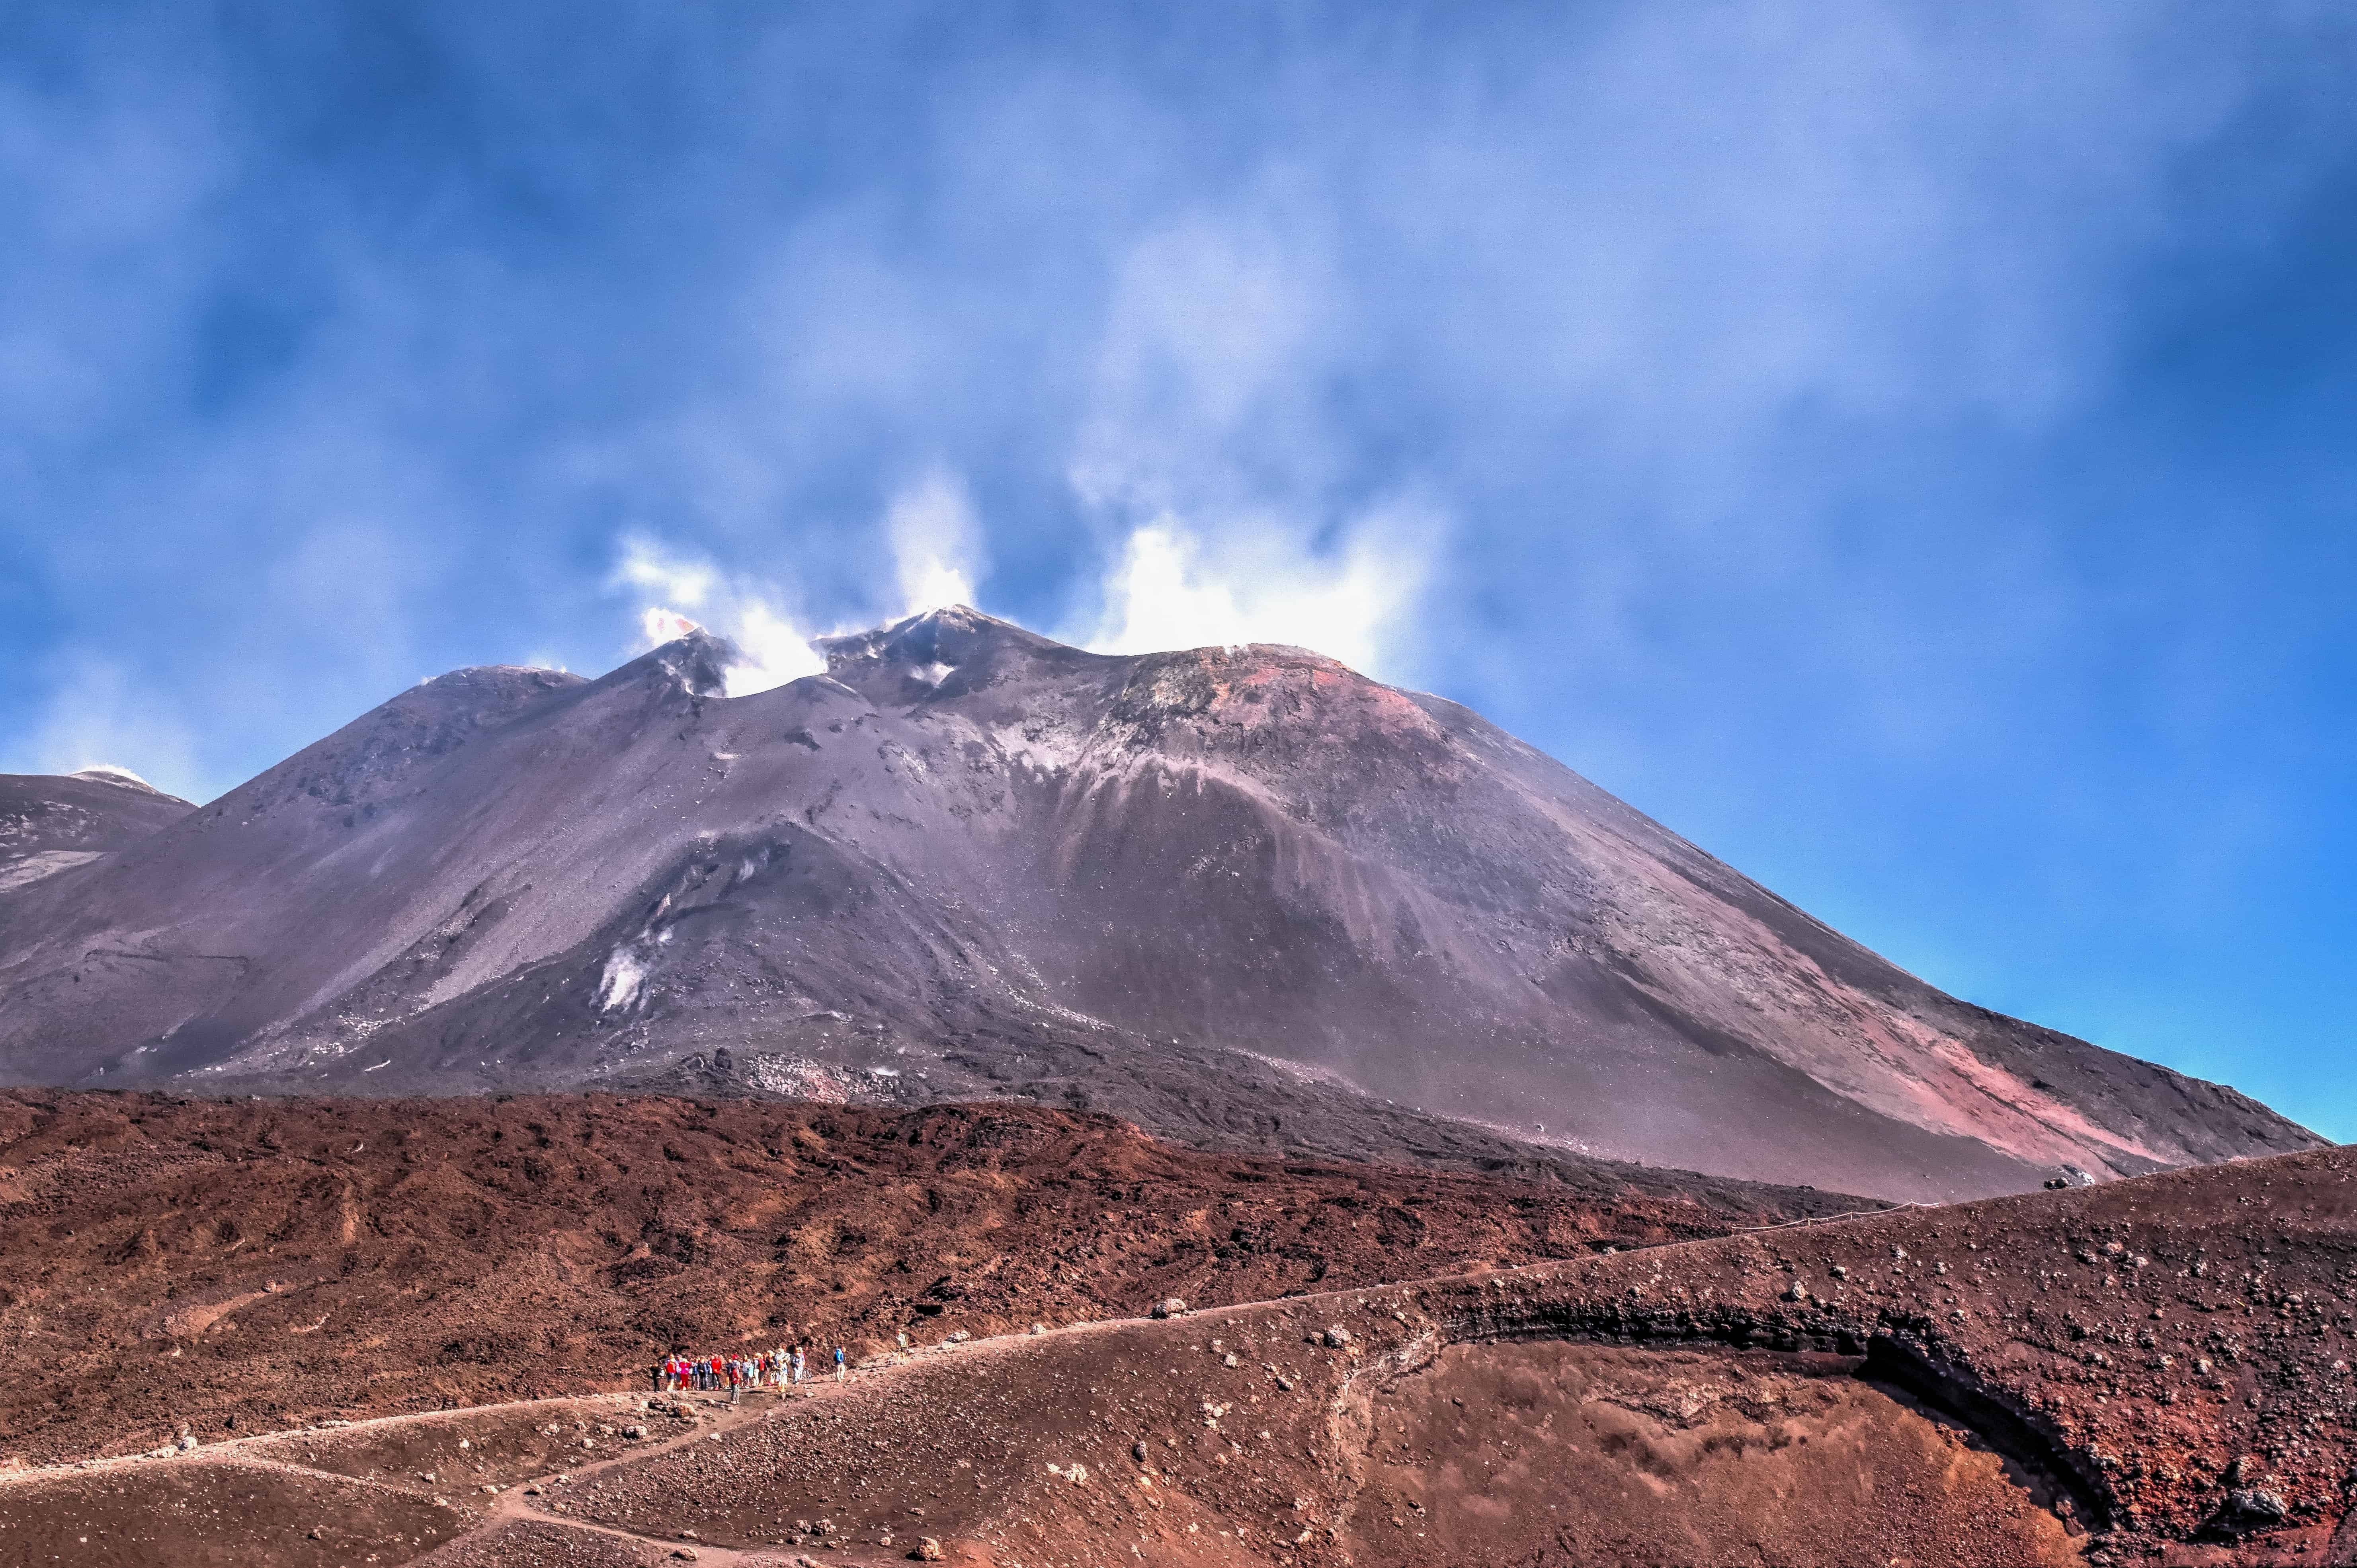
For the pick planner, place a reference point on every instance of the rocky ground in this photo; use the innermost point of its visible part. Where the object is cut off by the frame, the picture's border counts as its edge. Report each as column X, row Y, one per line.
column 2157, row 1371
column 244, row 1265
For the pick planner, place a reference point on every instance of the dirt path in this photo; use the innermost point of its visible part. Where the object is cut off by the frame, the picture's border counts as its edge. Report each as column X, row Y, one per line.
column 534, row 1499
column 538, row 1500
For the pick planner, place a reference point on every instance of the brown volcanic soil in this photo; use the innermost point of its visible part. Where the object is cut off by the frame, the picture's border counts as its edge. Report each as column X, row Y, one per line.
column 254, row 1264
column 1548, row 1450
column 205, row 1515
column 2168, row 1358
column 1913, row 1387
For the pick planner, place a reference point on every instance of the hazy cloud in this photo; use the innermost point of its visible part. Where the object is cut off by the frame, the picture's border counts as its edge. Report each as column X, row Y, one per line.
column 101, row 714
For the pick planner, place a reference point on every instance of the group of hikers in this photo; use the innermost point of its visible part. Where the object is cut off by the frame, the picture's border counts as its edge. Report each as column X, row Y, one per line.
column 778, row 1369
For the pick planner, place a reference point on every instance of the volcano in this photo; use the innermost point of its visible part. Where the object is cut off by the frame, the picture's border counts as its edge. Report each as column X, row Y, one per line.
column 1242, row 897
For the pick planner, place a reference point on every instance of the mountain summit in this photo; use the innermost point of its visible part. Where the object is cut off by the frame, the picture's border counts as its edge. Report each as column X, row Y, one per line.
column 1242, row 895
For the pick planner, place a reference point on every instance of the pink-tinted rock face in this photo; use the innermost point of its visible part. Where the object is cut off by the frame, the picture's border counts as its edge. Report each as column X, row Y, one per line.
column 1242, row 895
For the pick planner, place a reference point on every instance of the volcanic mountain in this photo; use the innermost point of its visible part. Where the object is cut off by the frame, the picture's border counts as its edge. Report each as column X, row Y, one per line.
column 1240, row 896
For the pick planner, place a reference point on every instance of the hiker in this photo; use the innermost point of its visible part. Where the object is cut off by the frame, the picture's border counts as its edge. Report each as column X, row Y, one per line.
column 794, row 1372
column 841, row 1370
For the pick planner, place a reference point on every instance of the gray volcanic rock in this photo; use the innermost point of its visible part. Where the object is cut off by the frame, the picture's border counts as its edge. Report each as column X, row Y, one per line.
column 1245, row 896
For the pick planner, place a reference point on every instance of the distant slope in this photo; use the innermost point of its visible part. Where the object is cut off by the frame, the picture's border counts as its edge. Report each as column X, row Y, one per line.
column 50, row 824
column 1242, row 895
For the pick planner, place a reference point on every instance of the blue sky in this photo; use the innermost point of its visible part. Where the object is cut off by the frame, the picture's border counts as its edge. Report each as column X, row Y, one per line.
column 1906, row 448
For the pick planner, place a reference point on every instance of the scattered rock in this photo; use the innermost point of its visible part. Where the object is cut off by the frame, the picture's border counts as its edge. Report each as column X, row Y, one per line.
column 927, row 1549
column 2247, row 1510
column 1170, row 1306
column 1336, row 1337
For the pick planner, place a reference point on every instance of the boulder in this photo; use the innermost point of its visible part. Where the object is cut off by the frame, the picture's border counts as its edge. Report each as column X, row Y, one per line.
column 2248, row 1510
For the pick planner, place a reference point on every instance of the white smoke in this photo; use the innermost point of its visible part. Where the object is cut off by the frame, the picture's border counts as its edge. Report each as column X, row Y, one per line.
column 113, row 773
column 1207, row 461
column 936, row 543
column 100, row 710
column 1169, row 588
column 670, row 585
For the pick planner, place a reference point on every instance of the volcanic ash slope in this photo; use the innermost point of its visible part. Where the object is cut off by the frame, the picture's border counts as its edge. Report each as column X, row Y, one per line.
column 1242, row 895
